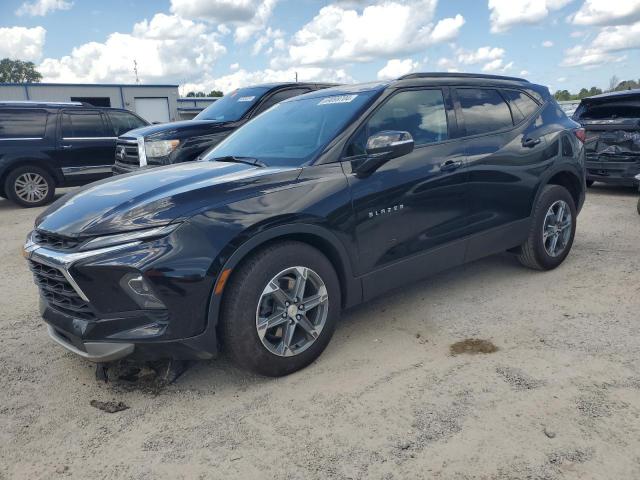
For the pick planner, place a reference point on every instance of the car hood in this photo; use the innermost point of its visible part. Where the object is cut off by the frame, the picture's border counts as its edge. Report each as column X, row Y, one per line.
column 176, row 130
column 158, row 197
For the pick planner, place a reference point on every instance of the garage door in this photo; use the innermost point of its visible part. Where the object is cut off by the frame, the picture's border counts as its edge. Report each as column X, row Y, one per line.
column 154, row 110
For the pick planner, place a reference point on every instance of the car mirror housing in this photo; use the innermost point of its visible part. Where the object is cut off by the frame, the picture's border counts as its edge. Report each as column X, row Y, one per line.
column 384, row 146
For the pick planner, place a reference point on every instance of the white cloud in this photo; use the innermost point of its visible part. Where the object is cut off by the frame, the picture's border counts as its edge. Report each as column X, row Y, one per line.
column 396, row 68
column 243, row 78
column 448, row 65
column 524, row 73
column 248, row 17
column 234, row 66
column 562, row 79
column 166, row 48
column 588, row 57
column 269, row 36
column 40, row 8
column 606, row 12
column 497, row 66
column 339, row 34
column 507, row 13
column 482, row 54
column 605, row 47
column 547, row 44
column 22, row 43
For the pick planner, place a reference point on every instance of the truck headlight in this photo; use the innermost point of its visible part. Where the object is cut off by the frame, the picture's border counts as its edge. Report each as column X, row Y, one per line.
column 160, row 148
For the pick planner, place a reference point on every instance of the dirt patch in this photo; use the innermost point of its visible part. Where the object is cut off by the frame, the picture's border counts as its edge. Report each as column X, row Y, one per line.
column 109, row 407
column 473, row 346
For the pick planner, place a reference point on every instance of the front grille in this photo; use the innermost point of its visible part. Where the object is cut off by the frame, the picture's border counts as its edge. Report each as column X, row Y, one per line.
column 128, row 156
column 52, row 240
column 58, row 292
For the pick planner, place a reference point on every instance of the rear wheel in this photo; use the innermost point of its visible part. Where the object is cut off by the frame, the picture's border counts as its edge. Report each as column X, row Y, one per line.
column 29, row 186
column 280, row 309
column 552, row 230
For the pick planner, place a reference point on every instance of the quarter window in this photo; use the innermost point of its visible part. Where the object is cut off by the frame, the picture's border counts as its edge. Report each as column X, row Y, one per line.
column 484, row 110
column 422, row 113
column 522, row 105
column 83, row 125
column 22, row 123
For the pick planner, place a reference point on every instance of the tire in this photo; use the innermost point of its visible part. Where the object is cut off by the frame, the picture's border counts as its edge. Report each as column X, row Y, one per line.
column 245, row 301
column 639, row 206
column 535, row 252
column 590, row 183
column 30, row 177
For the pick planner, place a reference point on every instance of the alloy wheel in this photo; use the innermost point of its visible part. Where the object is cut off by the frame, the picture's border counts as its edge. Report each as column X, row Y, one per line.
column 292, row 311
column 31, row 187
column 556, row 232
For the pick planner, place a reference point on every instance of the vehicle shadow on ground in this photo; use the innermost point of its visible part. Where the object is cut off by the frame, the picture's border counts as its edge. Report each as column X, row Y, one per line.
column 604, row 189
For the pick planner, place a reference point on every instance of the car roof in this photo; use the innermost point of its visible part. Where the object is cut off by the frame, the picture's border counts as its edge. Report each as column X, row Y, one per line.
column 613, row 95
column 274, row 85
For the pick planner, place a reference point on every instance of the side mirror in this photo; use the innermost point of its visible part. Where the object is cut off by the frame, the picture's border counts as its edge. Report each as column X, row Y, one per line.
column 382, row 147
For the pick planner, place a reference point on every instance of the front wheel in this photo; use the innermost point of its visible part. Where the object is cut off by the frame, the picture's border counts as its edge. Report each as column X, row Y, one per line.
column 280, row 309
column 552, row 230
column 30, row 186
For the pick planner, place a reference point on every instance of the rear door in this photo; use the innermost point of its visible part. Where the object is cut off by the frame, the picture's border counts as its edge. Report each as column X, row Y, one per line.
column 86, row 147
column 505, row 147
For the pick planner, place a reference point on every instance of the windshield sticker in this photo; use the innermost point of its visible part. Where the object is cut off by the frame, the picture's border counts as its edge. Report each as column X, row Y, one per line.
column 337, row 99
column 246, row 99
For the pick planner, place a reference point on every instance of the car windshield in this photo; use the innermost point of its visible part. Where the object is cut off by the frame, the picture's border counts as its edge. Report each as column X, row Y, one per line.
column 232, row 106
column 292, row 133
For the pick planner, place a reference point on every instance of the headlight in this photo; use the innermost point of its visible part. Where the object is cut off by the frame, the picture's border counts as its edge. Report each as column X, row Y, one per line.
column 160, row 148
column 129, row 237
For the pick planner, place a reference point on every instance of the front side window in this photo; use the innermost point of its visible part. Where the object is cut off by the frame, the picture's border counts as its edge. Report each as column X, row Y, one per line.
column 294, row 132
column 422, row 113
column 484, row 110
column 83, row 125
column 122, row 122
column 22, row 123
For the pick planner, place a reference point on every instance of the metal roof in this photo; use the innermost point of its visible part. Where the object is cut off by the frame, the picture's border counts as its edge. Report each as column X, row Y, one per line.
column 116, row 85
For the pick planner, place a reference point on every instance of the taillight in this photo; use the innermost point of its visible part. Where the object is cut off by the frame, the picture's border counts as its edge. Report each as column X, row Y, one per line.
column 581, row 134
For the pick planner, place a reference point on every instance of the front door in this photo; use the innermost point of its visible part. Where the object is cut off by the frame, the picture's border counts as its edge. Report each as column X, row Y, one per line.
column 86, row 148
column 411, row 212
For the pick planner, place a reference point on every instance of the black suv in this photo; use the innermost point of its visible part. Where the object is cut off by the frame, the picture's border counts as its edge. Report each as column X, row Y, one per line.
column 612, row 145
column 179, row 142
column 49, row 145
column 323, row 202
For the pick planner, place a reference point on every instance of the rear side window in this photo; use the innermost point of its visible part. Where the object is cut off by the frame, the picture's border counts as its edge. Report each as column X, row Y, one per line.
column 22, row 123
column 280, row 97
column 484, row 110
column 83, row 125
column 122, row 122
column 522, row 105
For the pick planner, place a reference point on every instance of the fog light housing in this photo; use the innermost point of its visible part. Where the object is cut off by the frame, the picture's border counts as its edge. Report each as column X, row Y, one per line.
column 151, row 330
column 137, row 288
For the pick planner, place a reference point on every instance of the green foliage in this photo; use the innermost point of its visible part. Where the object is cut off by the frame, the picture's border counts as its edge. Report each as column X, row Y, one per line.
column 17, row 71
column 213, row 93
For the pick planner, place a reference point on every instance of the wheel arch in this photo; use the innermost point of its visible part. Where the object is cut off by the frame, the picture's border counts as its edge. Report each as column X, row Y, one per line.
column 24, row 162
column 567, row 178
column 313, row 235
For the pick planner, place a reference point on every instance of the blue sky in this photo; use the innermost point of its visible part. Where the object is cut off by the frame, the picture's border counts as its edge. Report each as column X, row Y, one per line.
column 223, row 44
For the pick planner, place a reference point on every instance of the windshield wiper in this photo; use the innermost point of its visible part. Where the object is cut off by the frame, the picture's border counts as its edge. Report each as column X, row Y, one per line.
column 247, row 160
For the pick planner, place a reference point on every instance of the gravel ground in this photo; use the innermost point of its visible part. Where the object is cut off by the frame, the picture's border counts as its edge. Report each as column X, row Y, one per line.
column 560, row 398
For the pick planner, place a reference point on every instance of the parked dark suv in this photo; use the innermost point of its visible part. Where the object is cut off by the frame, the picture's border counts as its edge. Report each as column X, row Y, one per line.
column 179, row 142
column 612, row 145
column 49, row 145
column 325, row 201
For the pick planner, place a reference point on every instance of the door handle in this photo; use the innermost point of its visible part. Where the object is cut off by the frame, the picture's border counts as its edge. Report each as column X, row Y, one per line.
column 530, row 142
column 451, row 165
column 66, row 147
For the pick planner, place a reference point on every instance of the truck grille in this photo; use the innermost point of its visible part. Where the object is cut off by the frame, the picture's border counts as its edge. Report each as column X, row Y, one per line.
column 127, row 152
column 58, row 292
column 55, row 241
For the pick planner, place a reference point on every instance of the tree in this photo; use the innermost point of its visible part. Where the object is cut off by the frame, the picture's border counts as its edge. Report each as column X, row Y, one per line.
column 215, row 93
column 627, row 85
column 563, row 95
column 583, row 93
column 595, row 91
column 17, row 71
column 613, row 83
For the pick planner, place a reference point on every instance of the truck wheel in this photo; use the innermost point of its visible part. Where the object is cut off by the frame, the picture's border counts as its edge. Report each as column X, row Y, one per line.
column 552, row 230
column 280, row 309
column 639, row 206
column 30, row 186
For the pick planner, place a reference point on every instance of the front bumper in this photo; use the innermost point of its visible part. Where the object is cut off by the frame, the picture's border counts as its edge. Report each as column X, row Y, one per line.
column 609, row 169
column 86, row 312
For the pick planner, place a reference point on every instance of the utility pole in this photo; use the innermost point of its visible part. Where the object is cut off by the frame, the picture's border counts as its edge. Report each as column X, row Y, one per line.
column 135, row 70
column 296, row 77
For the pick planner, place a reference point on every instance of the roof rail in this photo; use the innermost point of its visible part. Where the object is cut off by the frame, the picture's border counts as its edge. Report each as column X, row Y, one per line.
column 35, row 102
column 460, row 75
